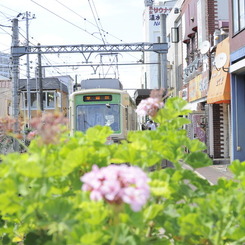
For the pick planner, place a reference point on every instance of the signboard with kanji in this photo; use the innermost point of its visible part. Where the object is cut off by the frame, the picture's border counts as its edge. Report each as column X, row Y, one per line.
column 155, row 13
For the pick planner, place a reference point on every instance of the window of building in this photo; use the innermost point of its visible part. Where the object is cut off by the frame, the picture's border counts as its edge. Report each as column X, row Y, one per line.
column 191, row 49
column 48, row 100
column 33, row 100
column 238, row 15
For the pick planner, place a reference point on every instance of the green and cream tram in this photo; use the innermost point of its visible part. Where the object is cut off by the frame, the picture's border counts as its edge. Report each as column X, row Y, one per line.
column 103, row 102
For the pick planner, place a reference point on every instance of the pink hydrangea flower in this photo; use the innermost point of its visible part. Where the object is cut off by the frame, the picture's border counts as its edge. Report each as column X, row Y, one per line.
column 49, row 126
column 32, row 135
column 117, row 184
column 149, row 106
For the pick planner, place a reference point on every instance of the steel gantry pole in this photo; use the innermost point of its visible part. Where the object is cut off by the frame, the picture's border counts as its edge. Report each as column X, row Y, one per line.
column 28, row 85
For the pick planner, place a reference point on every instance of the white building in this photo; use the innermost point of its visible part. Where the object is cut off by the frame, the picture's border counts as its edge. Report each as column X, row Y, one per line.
column 4, row 65
column 152, row 30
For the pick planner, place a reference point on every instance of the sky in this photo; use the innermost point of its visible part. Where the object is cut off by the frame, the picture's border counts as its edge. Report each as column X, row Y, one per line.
column 62, row 22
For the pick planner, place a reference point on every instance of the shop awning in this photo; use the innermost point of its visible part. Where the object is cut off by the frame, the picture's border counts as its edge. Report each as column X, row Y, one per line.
column 219, row 85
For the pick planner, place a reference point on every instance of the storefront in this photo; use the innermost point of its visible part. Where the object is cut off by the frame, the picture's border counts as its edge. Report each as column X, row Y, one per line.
column 219, row 99
column 197, row 98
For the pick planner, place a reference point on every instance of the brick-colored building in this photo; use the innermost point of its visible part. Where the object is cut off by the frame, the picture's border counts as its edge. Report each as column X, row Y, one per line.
column 206, row 22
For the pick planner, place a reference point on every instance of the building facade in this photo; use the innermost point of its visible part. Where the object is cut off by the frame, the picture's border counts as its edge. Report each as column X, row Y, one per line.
column 197, row 37
column 6, row 97
column 5, row 65
column 55, row 97
column 153, row 31
column 237, row 70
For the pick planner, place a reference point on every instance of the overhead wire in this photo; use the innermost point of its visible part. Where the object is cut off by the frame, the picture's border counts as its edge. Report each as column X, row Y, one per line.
column 85, row 19
column 8, row 8
column 23, row 40
column 64, row 19
column 92, row 34
column 98, row 23
column 94, row 13
column 98, row 18
column 5, row 31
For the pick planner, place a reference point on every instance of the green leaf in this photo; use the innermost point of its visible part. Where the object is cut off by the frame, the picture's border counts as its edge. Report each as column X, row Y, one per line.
column 37, row 238
column 98, row 134
column 57, row 209
column 161, row 188
column 196, row 145
column 238, row 168
column 93, row 238
column 152, row 211
column 30, row 166
column 198, row 159
column 93, row 213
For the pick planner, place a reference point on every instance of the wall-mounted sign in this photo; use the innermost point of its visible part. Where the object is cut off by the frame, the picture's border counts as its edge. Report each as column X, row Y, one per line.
column 156, row 11
column 198, row 87
column 184, row 94
column 219, row 86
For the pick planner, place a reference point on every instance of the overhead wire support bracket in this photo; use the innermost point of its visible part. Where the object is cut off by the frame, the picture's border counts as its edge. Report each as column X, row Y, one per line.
column 18, row 51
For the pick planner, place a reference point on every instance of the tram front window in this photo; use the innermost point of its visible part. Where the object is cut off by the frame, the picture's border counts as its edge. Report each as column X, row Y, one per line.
column 90, row 115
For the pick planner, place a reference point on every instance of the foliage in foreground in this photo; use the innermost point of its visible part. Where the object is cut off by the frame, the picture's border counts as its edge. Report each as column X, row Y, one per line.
column 41, row 201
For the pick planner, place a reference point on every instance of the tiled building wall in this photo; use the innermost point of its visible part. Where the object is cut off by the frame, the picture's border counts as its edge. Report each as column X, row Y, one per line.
column 218, row 129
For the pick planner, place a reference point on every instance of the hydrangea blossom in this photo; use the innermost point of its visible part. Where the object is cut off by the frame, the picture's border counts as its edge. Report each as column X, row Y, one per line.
column 10, row 126
column 48, row 126
column 149, row 106
column 117, row 184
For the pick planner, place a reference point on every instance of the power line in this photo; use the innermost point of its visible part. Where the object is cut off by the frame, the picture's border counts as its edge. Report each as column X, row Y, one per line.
column 95, row 19
column 6, row 26
column 8, row 8
column 5, row 31
column 85, row 19
column 65, row 19
column 101, row 28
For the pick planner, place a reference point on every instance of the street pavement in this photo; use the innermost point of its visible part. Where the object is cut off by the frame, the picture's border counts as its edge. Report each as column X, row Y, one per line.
column 213, row 172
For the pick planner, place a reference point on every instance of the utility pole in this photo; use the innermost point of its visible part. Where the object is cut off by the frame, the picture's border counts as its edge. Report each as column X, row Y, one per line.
column 163, row 55
column 159, row 70
column 15, row 79
column 40, row 79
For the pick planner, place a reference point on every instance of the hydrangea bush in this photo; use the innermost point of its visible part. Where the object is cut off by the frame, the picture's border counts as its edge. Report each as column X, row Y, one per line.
column 77, row 190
